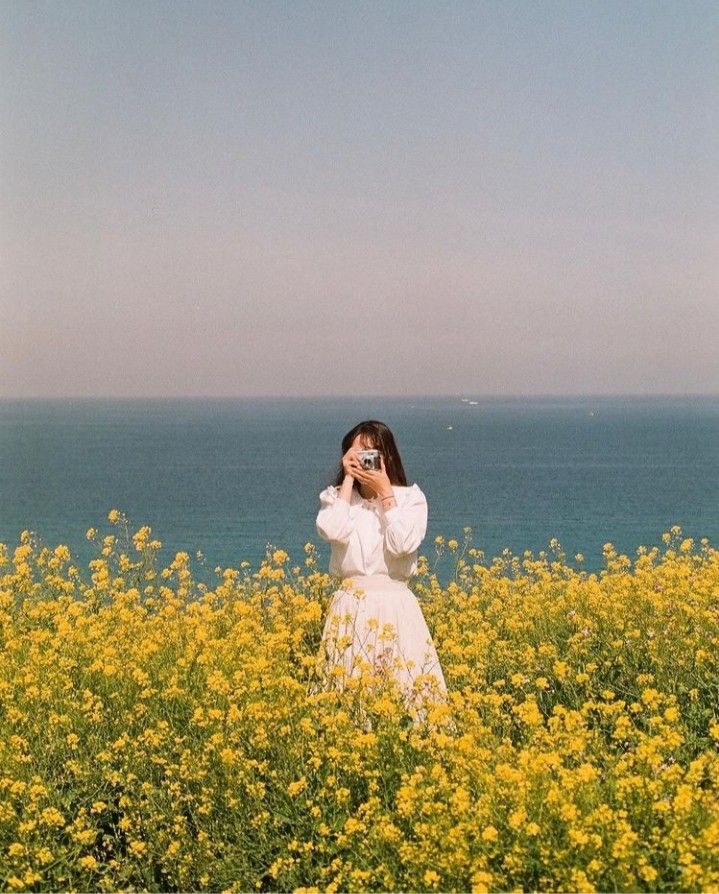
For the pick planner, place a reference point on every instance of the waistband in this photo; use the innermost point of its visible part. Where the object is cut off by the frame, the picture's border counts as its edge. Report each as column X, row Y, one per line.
column 379, row 581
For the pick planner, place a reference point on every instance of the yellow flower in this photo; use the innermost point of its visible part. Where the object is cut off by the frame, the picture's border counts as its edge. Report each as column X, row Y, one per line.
column 113, row 516
column 228, row 756
column 140, row 537
column 651, row 697
column 586, row 773
column 431, row 878
column 52, row 817
column 516, row 818
column 560, row 669
column 529, row 712
column 683, row 799
column 62, row 553
column 481, row 881
column 294, row 788
column 648, row 873
column 353, row 825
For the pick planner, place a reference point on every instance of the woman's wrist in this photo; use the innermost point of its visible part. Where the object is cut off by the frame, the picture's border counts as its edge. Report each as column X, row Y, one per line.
column 345, row 491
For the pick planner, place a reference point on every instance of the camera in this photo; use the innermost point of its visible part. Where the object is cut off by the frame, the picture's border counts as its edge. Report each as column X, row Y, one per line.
column 369, row 459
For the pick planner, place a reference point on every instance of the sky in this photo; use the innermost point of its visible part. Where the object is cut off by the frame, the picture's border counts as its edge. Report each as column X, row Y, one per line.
column 358, row 198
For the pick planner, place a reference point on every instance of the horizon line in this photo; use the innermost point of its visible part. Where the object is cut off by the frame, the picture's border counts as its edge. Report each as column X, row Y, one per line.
column 454, row 395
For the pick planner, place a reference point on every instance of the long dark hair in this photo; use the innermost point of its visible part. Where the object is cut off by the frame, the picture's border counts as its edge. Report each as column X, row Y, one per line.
column 375, row 435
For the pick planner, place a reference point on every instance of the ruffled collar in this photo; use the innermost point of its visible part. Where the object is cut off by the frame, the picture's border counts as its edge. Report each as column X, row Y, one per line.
column 358, row 498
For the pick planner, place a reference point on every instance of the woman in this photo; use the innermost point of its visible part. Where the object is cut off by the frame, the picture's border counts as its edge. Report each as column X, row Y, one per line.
column 375, row 523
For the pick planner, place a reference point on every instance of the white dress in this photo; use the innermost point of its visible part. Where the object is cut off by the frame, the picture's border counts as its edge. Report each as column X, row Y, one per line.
column 374, row 619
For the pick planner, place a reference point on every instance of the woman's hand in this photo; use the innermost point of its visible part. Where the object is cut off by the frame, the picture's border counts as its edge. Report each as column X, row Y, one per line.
column 376, row 479
column 351, row 463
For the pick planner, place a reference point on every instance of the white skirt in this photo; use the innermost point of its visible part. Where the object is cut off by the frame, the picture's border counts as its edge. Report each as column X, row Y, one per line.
column 374, row 622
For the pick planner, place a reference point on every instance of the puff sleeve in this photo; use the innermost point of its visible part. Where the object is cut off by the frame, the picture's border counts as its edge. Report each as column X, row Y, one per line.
column 406, row 523
column 333, row 520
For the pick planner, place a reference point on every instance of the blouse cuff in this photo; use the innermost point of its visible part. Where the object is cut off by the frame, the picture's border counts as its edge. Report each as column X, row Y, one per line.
column 391, row 513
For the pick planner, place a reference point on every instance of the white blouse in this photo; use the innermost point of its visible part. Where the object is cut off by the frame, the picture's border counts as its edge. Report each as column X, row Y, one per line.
column 367, row 539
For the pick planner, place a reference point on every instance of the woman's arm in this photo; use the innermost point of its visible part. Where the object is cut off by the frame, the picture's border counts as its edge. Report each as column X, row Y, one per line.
column 333, row 520
column 345, row 491
column 406, row 524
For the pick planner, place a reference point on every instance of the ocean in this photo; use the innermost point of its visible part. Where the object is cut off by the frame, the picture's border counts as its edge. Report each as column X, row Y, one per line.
column 229, row 477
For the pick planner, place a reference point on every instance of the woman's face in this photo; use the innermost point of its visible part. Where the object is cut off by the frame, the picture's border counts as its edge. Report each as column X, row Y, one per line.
column 362, row 442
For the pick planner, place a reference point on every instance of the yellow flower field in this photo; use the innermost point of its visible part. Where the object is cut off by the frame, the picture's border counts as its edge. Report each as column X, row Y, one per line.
column 158, row 732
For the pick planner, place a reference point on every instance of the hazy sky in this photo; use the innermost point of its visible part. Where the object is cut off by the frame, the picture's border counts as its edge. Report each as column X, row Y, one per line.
column 229, row 198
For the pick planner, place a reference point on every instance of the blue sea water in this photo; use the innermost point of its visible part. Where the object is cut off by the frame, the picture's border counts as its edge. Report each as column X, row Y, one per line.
column 230, row 476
